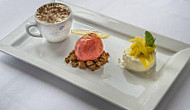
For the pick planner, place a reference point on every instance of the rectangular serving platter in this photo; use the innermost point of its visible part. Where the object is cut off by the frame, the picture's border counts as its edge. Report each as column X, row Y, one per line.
column 112, row 82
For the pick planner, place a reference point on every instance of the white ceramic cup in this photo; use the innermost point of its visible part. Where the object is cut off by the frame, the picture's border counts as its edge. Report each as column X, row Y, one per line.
column 55, row 32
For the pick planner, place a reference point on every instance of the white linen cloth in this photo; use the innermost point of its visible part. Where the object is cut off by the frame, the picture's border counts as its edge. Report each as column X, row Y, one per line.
column 24, row 87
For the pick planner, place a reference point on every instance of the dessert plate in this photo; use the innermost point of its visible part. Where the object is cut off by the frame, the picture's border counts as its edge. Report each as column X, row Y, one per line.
column 112, row 82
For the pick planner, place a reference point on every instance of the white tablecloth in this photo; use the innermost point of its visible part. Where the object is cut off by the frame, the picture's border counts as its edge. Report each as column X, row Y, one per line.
column 24, row 87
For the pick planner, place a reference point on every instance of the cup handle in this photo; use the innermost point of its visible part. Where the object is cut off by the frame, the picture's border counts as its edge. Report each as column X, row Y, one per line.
column 28, row 26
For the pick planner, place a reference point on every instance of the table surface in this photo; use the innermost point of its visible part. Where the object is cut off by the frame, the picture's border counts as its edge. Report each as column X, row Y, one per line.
column 24, row 87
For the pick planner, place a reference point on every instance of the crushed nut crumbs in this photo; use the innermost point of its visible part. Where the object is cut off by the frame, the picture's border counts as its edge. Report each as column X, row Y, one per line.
column 90, row 64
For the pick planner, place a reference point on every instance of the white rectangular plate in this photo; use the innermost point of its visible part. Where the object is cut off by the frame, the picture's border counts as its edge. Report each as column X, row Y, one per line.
column 112, row 82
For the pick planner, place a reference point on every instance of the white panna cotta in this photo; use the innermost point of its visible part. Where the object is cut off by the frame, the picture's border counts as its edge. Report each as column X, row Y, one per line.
column 134, row 64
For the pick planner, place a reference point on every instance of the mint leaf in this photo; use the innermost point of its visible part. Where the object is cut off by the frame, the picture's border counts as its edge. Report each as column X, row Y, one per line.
column 149, row 39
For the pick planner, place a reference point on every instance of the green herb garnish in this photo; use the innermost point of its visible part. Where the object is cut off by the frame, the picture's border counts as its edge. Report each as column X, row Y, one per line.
column 149, row 39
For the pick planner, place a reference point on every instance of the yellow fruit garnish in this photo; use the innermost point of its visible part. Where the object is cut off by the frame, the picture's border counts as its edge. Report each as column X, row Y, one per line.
column 133, row 45
column 83, row 32
column 133, row 52
column 151, row 49
column 137, row 53
column 140, row 50
column 144, row 62
column 151, row 58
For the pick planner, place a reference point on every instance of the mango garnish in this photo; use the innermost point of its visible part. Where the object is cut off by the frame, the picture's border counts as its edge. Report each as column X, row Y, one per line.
column 140, row 50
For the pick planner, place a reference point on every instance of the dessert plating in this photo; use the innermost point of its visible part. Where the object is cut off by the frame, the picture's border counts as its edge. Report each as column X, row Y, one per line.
column 141, row 55
column 88, row 51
